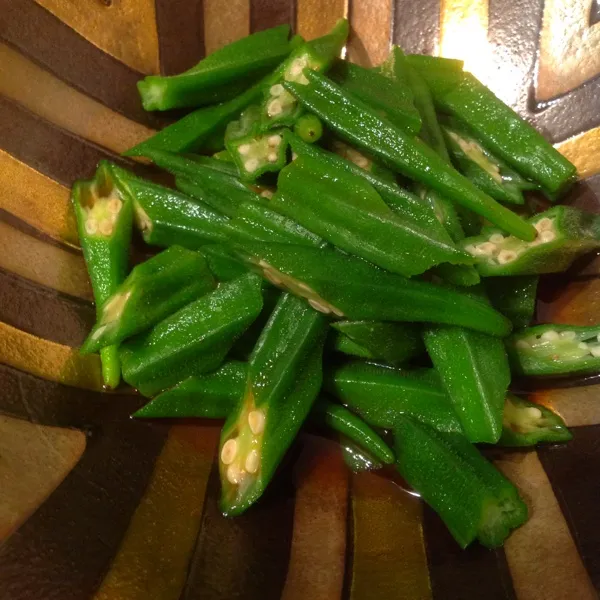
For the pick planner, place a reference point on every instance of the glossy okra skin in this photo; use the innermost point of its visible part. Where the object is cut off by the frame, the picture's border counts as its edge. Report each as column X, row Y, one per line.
column 104, row 218
column 563, row 234
column 357, row 459
column 284, row 378
column 390, row 97
column 527, row 424
column 346, row 211
column 334, row 416
column 222, row 262
column 555, row 350
column 355, row 122
column 380, row 394
column 219, row 76
column 342, row 343
column 500, row 129
column 166, row 217
column 151, row 292
column 347, row 287
column 393, row 343
column 474, row 370
column 209, row 396
column 193, row 340
column 473, row 499
column 515, row 297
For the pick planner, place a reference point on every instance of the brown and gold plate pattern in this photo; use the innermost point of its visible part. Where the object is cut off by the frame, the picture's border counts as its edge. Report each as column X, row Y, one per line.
column 96, row 505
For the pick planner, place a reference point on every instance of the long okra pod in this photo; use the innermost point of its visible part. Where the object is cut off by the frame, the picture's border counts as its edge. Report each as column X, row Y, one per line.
column 357, row 123
column 514, row 297
column 104, row 217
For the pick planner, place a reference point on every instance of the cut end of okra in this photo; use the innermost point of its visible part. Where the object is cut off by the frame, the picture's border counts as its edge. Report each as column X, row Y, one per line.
column 259, row 154
column 240, row 457
column 280, row 102
column 476, row 153
column 565, row 345
column 499, row 516
column 298, row 288
column 142, row 221
column 501, row 250
column 110, row 314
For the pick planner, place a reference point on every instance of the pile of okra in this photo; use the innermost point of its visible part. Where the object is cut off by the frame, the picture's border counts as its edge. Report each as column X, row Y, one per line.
column 346, row 249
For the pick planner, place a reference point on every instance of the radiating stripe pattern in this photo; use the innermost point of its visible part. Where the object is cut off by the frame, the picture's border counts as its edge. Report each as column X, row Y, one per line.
column 68, row 98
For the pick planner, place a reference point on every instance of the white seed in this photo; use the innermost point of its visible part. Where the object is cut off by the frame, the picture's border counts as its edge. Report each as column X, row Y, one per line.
column 297, row 67
column 595, row 351
column 256, row 420
column 568, row 335
column 471, row 249
column 251, row 165
column 534, row 412
column 267, row 194
column 543, row 224
column 276, row 90
column 243, row 149
column 362, row 161
column 318, row 306
column 272, row 157
column 496, row 238
column 105, row 227
column 235, row 474
column 486, row 248
column 114, row 206
column 264, row 264
column 268, row 273
column 274, row 140
column 91, row 226
column 229, row 451
column 252, row 461
column 522, row 344
column 274, row 108
column 549, row 336
column 294, row 156
column 303, row 287
column 583, row 346
column 337, row 312
column 506, row 256
column 547, row 236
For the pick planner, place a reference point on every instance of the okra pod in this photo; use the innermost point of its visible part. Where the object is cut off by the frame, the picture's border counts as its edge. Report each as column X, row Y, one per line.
column 393, row 343
column 257, row 154
column 357, row 123
column 209, row 396
column 308, row 128
column 474, row 370
column 152, row 291
column 104, row 217
column 193, row 340
column 555, row 350
column 527, row 424
column 342, row 343
column 223, row 264
column 357, row 459
column 514, row 297
column 474, row 500
column 346, row 211
column 284, row 378
column 563, row 234
column 334, row 416
column 347, row 287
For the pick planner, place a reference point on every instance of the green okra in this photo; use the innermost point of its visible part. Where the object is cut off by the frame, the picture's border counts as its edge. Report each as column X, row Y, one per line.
column 193, row 340
column 249, row 123
column 104, row 217
column 308, row 128
column 355, row 122
column 257, row 154
column 222, row 262
column 346, row 211
column 528, row 424
column 555, row 350
column 357, row 459
column 474, row 500
column 347, row 287
column 564, row 233
column 515, row 297
column 152, row 291
column 342, row 343
column 284, row 378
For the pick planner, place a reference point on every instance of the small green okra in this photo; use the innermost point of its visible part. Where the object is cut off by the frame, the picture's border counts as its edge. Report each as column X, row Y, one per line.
column 515, row 297
column 357, row 459
column 555, row 350
column 166, row 217
column 347, row 287
column 221, row 74
column 391, row 97
column 358, row 124
column 334, row 416
column 346, row 211
column 208, row 396
column 152, row 291
column 193, row 340
column 257, row 154
column 528, row 424
column 393, row 343
column 104, row 217
column 308, row 128
column 474, row 369
column 284, row 378
column 474, row 499
column 489, row 173
column 379, row 395
column 563, row 234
